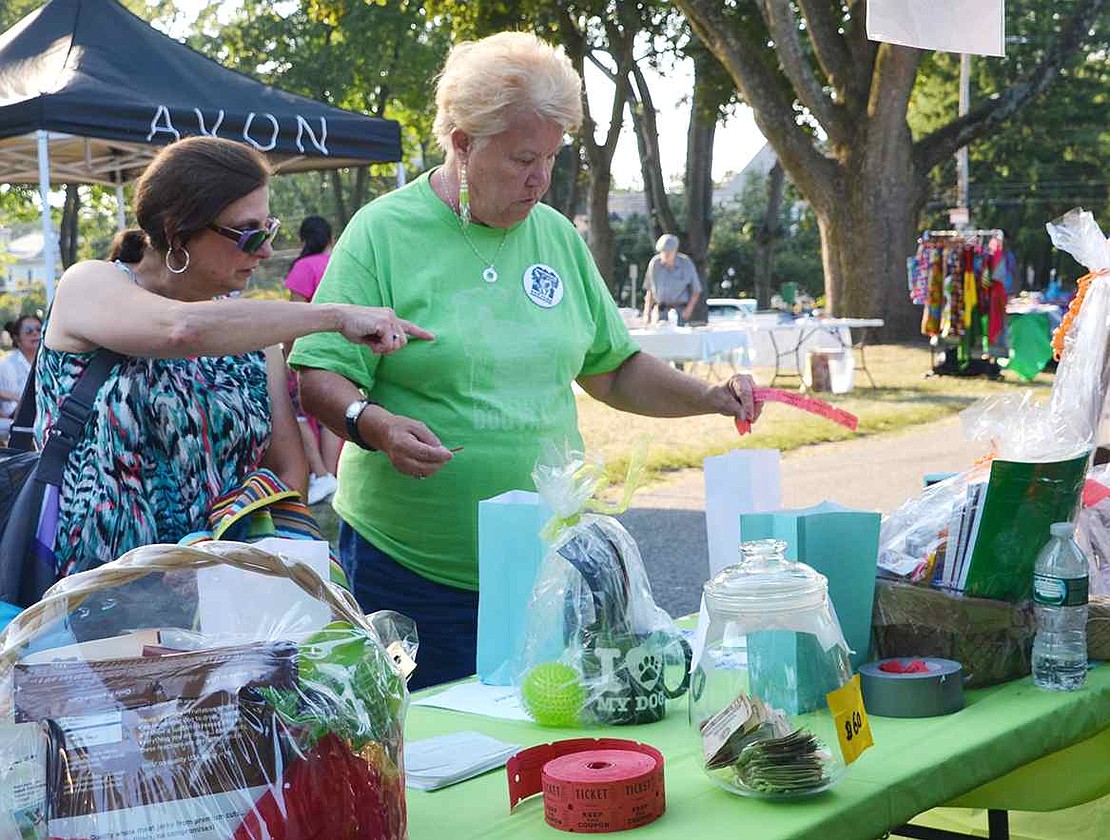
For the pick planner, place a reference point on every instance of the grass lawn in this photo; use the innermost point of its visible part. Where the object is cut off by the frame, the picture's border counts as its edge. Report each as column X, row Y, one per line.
column 903, row 397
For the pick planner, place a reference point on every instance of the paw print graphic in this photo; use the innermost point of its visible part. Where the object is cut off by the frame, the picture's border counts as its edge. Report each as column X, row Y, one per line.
column 645, row 666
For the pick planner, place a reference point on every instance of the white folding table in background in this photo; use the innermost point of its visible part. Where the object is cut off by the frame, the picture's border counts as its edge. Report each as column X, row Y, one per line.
column 790, row 342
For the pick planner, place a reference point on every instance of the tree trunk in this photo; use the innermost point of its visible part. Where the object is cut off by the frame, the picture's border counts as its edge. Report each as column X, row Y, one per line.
column 337, row 195
column 359, row 196
column 868, row 229
column 67, row 233
column 699, row 138
column 601, row 232
column 646, row 127
column 563, row 193
column 769, row 232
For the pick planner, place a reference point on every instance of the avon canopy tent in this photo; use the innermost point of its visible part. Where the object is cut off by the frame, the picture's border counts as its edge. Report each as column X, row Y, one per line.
column 88, row 92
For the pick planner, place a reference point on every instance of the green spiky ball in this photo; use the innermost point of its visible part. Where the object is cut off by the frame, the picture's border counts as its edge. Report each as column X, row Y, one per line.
column 553, row 695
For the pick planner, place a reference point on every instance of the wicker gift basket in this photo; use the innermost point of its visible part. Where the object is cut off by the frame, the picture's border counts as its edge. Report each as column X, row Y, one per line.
column 134, row 702
column 993, row 640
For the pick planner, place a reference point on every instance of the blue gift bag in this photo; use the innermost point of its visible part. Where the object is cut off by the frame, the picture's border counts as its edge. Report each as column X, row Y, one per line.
column 840, row 543
column 509, row 555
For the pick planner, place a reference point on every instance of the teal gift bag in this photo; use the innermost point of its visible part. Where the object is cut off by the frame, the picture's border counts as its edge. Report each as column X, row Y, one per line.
column 840, row 543
column 510, row 551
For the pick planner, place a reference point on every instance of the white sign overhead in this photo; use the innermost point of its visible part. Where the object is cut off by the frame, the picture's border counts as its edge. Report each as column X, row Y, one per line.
column 977, row 27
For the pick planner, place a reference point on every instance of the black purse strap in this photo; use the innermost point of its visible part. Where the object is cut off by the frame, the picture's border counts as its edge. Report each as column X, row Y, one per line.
column 22, row 434
column 73, row 414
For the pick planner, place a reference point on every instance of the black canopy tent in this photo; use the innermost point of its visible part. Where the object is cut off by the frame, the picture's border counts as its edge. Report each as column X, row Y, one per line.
column 88, row 92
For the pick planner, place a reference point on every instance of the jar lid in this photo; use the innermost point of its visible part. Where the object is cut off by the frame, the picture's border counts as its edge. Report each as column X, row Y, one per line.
column 765, row 580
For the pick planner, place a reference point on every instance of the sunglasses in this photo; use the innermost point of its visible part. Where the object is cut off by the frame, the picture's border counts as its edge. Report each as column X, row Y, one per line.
column 250, row 240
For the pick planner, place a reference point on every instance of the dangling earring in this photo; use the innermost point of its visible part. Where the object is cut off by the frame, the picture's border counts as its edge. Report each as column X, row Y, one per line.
column 183, row 268
column 464, row 195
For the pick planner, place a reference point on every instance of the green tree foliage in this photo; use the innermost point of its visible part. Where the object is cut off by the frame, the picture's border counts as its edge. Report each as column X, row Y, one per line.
column 732, row 250
column 377, row 58
column 1035, row 168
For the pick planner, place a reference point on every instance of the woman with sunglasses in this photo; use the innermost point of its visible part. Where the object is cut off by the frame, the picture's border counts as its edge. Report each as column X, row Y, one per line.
column 198, row 403
column 26, row 330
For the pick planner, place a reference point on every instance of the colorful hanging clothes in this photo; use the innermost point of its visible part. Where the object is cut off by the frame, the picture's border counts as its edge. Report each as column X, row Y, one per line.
column 934, row 297
column 954, row 283
column 958, row 282
column 971, row 285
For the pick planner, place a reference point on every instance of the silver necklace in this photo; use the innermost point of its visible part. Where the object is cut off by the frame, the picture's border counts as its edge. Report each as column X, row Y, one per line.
column 489, row 273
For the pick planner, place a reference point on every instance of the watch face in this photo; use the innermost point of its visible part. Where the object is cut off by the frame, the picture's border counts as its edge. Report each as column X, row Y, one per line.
column 355, row 408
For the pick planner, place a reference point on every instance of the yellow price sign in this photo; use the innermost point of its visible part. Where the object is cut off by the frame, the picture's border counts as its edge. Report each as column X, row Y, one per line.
column 853, row 730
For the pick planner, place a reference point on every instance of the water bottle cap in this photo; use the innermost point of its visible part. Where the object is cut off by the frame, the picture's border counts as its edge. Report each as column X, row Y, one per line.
column 1064, row 530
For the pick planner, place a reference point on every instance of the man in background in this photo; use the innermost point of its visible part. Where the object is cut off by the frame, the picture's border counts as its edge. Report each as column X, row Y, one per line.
column 670, row 283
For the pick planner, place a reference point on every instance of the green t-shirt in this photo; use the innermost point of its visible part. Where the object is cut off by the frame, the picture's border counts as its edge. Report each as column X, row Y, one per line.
column 496, row 381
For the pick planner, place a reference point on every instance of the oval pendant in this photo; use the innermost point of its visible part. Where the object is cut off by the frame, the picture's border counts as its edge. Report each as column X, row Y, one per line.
column 490, row 274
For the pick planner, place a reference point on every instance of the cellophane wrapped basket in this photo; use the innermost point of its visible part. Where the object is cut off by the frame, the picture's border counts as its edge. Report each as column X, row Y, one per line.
column 975, row 536
column 211, row 692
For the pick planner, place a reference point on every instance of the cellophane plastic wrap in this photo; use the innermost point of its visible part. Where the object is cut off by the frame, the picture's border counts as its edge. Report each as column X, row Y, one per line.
column 1093, row 530
column 136, row 702
column 596, row 645
column 1021, row 429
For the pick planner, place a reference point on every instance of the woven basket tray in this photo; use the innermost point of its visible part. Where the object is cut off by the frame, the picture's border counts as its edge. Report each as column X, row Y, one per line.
column 993, row 640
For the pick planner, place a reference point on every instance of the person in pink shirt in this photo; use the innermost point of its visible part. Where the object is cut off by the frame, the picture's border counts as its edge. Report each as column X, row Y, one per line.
column 308, row 269
column 320, row 443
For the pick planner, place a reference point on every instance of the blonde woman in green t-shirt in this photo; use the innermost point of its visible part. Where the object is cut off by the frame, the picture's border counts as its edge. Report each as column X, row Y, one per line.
column 519, row 311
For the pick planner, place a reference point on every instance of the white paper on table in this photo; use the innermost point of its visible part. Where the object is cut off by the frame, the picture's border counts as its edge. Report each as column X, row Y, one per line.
column 433, row 763
column 250, row 606
column 977, row 27
column 740, row 481
column 498, row 701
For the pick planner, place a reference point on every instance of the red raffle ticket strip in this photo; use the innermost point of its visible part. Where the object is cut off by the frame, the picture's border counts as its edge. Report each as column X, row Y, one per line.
column 810, row 404
column 591, row 785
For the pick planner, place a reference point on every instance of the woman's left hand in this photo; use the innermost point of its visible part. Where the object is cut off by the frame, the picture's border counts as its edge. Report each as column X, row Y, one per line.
column 736, row 398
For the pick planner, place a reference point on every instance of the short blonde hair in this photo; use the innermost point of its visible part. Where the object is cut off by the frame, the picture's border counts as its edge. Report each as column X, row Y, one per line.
column 484, row 82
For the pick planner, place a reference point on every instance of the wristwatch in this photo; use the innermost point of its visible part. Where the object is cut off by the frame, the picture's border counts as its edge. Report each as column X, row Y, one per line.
column 350, row 416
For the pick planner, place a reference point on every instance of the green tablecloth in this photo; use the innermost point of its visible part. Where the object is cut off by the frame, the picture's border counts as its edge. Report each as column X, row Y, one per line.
column 1030, row 344
column 915, row 765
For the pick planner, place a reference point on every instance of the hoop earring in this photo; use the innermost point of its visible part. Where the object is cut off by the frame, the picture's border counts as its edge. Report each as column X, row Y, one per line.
column 183, row 268
column 464, row 195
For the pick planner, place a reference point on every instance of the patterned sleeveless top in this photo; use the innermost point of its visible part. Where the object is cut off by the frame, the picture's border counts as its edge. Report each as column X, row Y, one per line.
column 167, row 437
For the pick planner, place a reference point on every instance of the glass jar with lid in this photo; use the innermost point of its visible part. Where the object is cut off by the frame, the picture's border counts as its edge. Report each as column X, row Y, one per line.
column 773, row 650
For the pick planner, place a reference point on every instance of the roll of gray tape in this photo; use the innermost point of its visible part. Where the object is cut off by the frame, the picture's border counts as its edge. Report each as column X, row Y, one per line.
column 936, row 690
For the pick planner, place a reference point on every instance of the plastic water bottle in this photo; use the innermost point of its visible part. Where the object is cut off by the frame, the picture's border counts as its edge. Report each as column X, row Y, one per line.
column 1060, row 601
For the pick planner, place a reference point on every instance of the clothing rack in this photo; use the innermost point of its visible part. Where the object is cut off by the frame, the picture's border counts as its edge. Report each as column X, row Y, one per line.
column 962, row 235
column 971, row 358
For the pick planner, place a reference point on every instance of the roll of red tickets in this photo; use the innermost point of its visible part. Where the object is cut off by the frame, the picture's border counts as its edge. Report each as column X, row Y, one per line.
column 810, row 404
column 591, row 785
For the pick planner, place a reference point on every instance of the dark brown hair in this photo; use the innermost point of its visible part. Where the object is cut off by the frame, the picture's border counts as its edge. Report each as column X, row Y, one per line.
column 14, row 328
column 128, row 246
column 190, row 183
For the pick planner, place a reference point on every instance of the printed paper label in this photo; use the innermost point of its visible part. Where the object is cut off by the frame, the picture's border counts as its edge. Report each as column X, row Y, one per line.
column 853, row 730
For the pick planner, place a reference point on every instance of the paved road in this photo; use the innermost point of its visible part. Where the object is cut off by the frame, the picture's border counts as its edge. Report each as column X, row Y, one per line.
column 871, row 473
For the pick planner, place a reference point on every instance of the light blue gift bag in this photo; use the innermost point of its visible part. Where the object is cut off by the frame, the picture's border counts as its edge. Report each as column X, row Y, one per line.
column 510, row 552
